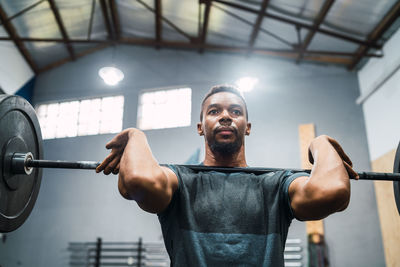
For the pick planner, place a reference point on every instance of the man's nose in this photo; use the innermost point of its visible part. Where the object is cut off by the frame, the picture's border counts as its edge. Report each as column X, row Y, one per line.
column 225, row 118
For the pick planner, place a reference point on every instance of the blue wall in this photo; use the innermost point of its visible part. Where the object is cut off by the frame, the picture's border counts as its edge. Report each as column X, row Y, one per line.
column 26, row 91
column 80, row 205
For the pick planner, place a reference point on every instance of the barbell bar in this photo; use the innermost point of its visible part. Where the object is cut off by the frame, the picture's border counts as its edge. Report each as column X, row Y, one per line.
column 21, row 163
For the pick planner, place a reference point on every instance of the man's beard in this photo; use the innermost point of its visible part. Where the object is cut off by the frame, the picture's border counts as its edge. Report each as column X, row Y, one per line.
column 225, row 149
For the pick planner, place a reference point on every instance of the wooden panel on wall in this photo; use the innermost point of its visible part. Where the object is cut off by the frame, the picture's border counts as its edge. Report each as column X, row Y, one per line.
column 388, row 215
column 315, row 229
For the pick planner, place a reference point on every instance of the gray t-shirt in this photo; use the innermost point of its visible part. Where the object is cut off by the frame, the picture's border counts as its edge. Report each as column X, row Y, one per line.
column 221, row 219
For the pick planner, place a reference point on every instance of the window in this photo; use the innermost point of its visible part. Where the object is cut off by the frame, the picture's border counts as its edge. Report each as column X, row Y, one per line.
column 81, row 117
column 165, row 109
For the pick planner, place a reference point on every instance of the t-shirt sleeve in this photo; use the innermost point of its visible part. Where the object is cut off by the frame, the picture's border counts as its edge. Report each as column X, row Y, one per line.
column 164, row 214
column 290, row 177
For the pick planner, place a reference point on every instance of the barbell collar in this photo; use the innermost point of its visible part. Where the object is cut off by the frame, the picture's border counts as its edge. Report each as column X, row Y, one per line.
column 18, row 163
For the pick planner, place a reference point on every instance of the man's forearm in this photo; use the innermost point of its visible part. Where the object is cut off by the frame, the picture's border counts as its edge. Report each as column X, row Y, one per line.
column 329, row 183
column 328, row 168
column 137, row 159
column 141, row 177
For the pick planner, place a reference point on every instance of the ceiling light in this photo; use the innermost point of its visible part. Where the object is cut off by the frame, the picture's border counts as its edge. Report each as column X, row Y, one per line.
column 246, row 84
column 111, row 75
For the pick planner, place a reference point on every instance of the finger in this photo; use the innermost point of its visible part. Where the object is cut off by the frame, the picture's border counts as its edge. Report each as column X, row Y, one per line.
column 350, row 171
column 111, row 166
column 113, row 143
column 101, row 166
column 119, row 140
column 106, row 161
column 116, row 144
column 116, row 169
column 340, row 151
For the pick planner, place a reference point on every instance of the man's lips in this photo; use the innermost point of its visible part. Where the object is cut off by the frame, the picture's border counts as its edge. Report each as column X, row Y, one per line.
column 225, row 130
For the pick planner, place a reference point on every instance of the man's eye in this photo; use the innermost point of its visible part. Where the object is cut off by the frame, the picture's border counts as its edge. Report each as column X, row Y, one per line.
column 213, row 111
column 237, row 112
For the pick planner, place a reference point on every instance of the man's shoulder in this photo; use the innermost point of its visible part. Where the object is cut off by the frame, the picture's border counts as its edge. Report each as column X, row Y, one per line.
column 180, row 168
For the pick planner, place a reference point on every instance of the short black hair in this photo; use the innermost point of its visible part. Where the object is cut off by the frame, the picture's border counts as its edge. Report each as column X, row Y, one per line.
column 223, row 88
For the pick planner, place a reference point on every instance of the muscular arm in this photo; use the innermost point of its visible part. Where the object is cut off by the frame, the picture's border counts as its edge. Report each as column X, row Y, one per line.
column 141, row 178
column 327, row 189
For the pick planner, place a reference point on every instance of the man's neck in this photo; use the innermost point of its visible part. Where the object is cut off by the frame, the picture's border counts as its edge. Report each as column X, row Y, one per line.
column 237, row 159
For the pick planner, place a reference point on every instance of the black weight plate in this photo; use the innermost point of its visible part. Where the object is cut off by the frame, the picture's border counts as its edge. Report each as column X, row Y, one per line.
column 396, row 184
column 19, row 130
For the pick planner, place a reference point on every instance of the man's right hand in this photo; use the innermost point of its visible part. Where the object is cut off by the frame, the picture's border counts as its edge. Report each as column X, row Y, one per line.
column 345, row 158
column 117, row 145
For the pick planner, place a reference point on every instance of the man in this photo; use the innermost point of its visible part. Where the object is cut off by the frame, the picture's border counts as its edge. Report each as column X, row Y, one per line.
column 238, row 219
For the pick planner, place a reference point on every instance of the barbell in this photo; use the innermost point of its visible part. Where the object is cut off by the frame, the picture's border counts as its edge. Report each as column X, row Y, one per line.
column 21, row 163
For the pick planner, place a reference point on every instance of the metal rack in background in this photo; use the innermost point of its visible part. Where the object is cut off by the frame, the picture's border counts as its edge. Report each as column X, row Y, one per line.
column 100, row 253
column 293, row 253
column 148, row 254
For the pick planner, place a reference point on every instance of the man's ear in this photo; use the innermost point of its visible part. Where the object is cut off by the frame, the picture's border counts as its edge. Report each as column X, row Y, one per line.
column 200, row 128
column 248, row 128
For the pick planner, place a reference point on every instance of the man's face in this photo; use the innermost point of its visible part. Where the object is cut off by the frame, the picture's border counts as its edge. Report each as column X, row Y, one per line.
column 224, row 123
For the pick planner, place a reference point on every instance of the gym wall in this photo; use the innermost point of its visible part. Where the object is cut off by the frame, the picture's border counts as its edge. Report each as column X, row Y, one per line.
column 14, row 71
column 81, row 205
column 381, row 111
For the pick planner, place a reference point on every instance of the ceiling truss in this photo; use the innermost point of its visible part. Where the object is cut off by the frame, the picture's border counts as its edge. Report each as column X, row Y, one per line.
column 61, row 27
column 15, row 38
column 296, row 51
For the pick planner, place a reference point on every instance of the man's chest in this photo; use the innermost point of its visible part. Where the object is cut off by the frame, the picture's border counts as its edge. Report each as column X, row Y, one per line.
column 227, row 205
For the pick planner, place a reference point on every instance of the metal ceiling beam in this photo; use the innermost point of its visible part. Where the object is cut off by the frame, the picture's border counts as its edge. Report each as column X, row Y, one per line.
column 176, row 44
column 298, row 34
column 206, row 19
column 115, row 19
column 316, row 56
column 176, row 28
column 377, row 33
column 300, row 14
column 62, row 28
column 15, row 38
column 300, row 24
column 233, row 15
column 258, row 22
column 195, row 46
column 244, row 50
column 199, row 21
column 158, row 22
column 23, row 11
column 317, row 22
column 106, row 18
column 91, row 19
